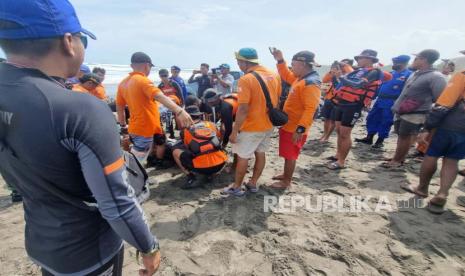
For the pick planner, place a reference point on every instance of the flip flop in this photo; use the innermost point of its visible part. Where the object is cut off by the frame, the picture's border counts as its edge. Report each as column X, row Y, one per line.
column 461, row 201
column 250, row 188
column 231, row 191
column 280, row 187
column 409, row 188
column 332, row 158
column 437, row 208
column 334, row 166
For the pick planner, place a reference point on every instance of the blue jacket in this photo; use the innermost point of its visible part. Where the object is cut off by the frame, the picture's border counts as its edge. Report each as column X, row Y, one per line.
column 181, row 83
column 390, row 90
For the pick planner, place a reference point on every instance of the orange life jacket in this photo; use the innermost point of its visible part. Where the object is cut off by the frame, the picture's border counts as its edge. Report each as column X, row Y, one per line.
column 232, row 100
column 359, row 95
column 202, row 140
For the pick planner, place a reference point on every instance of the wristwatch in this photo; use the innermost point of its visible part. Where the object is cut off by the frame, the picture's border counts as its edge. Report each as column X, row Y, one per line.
column 151, row 253
column 300, row 129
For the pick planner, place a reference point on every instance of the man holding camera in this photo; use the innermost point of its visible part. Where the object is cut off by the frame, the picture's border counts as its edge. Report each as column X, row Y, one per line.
column 203, row 81
column 223, row 80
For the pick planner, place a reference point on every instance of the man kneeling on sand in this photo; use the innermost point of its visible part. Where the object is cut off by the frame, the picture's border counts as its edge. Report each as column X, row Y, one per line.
column 200, row 151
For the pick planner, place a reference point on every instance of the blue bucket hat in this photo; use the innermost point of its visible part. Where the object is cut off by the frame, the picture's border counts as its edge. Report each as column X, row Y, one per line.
column 247, row 54
column 39, row 19
column 401, row 59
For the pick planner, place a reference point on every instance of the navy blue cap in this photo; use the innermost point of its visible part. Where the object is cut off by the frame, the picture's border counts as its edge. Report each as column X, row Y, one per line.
column 175, row 68
column 401, row 59
column 85, row 69
column 39, row 19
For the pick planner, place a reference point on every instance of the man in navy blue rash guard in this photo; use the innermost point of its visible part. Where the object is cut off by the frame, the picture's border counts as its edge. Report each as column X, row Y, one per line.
column 58, row 147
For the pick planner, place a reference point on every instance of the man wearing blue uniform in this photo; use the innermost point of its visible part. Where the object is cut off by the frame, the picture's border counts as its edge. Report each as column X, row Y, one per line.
column 380, row 118
column 175, row 70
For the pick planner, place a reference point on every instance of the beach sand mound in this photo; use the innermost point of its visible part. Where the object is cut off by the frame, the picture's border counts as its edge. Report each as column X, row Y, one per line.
column 202, row 233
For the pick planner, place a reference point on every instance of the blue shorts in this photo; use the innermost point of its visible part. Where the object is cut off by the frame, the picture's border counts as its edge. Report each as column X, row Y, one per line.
column 447, row 143
column 141, row 143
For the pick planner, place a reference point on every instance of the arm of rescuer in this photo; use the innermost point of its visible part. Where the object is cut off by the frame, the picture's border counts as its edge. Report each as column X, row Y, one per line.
column 373, row 75
column 92, row 136
column 242, row 109
column 227, row 120
column 452, row 94
column 284, row 72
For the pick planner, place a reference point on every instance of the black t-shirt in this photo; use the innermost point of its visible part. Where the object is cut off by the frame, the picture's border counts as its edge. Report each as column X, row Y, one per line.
column 204, row 83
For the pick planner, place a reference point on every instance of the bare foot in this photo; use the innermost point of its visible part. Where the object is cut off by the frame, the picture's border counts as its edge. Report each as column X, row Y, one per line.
column 280, row 185
column 278, row 177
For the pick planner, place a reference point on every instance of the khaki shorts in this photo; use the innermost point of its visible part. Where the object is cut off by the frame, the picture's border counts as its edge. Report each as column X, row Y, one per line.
column 250, row 142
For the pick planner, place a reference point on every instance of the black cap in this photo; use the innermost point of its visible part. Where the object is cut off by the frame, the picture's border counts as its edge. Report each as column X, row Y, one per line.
column 430, row 55
column 368, row 53
column 305, row 56
column 210, row 95
column 140, row 57
column 90, row 77
column 163, row 72
column 193, row 110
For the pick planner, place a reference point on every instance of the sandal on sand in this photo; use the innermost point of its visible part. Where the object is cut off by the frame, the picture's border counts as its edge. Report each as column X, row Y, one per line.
column 335, row 166
column 250, row 188
column 461, row 201
column 390, row 165
column 411, row 189
column 437, row 205
column 278, row 186
column 231, row 191
column 332, row 158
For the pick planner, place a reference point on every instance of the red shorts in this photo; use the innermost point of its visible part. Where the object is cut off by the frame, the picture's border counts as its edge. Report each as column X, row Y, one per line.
column 287, row 149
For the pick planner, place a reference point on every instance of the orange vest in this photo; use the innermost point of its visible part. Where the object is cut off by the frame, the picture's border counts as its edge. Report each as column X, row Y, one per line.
column 359, row 95
column 232, row 100
column 202, row 140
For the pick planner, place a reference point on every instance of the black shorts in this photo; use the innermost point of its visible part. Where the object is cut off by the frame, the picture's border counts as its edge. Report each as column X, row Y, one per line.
column 347, row 114
column 159, row 139
column 186, row 161
column 406, row 128
column 327, row 109
column 113, row 267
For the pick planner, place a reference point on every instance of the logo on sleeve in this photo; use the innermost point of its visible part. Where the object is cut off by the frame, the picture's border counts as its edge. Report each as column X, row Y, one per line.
column 5, row 117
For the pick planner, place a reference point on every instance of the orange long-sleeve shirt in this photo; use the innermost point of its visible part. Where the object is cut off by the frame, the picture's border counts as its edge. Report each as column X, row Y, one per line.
column 99, row 92
column 328, row 78
column 303, row 99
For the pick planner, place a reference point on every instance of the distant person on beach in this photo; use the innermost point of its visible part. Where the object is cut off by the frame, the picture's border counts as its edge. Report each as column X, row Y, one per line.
column 222, row 80
column 337, row 70
column 221, row 109
column 140, row 95
column 87, row 83
column 448, row 68
column 61, row 149
column 380, row 118
column 200, row 151
column 446, row 124
column 175, row 70
column 356, row 90
column 252, row 130
column 411, row 108
column 172, row 90
column 99, row 91
column 203, row 81
column 300, row 106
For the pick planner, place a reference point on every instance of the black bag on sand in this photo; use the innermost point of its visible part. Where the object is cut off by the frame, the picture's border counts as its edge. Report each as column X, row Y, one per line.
column 277, row 117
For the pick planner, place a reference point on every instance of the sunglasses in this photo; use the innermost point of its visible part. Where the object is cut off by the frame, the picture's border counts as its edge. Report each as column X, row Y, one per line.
column 83, row 39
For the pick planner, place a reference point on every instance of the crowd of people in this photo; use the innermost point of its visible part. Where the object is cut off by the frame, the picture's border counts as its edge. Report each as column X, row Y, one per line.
column 75, row 160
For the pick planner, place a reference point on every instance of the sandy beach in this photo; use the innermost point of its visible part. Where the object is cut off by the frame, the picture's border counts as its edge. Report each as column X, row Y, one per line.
column 202, row 233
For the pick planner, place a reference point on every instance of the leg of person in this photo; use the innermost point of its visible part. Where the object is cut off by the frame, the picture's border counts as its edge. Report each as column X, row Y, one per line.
column 329, row 123
column 183, row 159
column 260, row 158
column 141, row 147
column 448, row 175
column 373, row 124
column 336, row 115
column 345, row 145
column 385, row 127
column 407, row 132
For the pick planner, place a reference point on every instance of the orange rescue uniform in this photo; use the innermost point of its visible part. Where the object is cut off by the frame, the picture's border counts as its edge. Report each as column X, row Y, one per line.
column 138, row 92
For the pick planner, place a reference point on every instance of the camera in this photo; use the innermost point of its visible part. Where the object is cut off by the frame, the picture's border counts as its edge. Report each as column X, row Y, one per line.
column 216, row 71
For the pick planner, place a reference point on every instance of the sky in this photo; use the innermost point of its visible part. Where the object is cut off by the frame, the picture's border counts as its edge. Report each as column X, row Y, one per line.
column 188, row 32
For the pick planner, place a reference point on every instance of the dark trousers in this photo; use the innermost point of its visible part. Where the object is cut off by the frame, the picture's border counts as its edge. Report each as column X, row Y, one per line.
column 113, row 267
